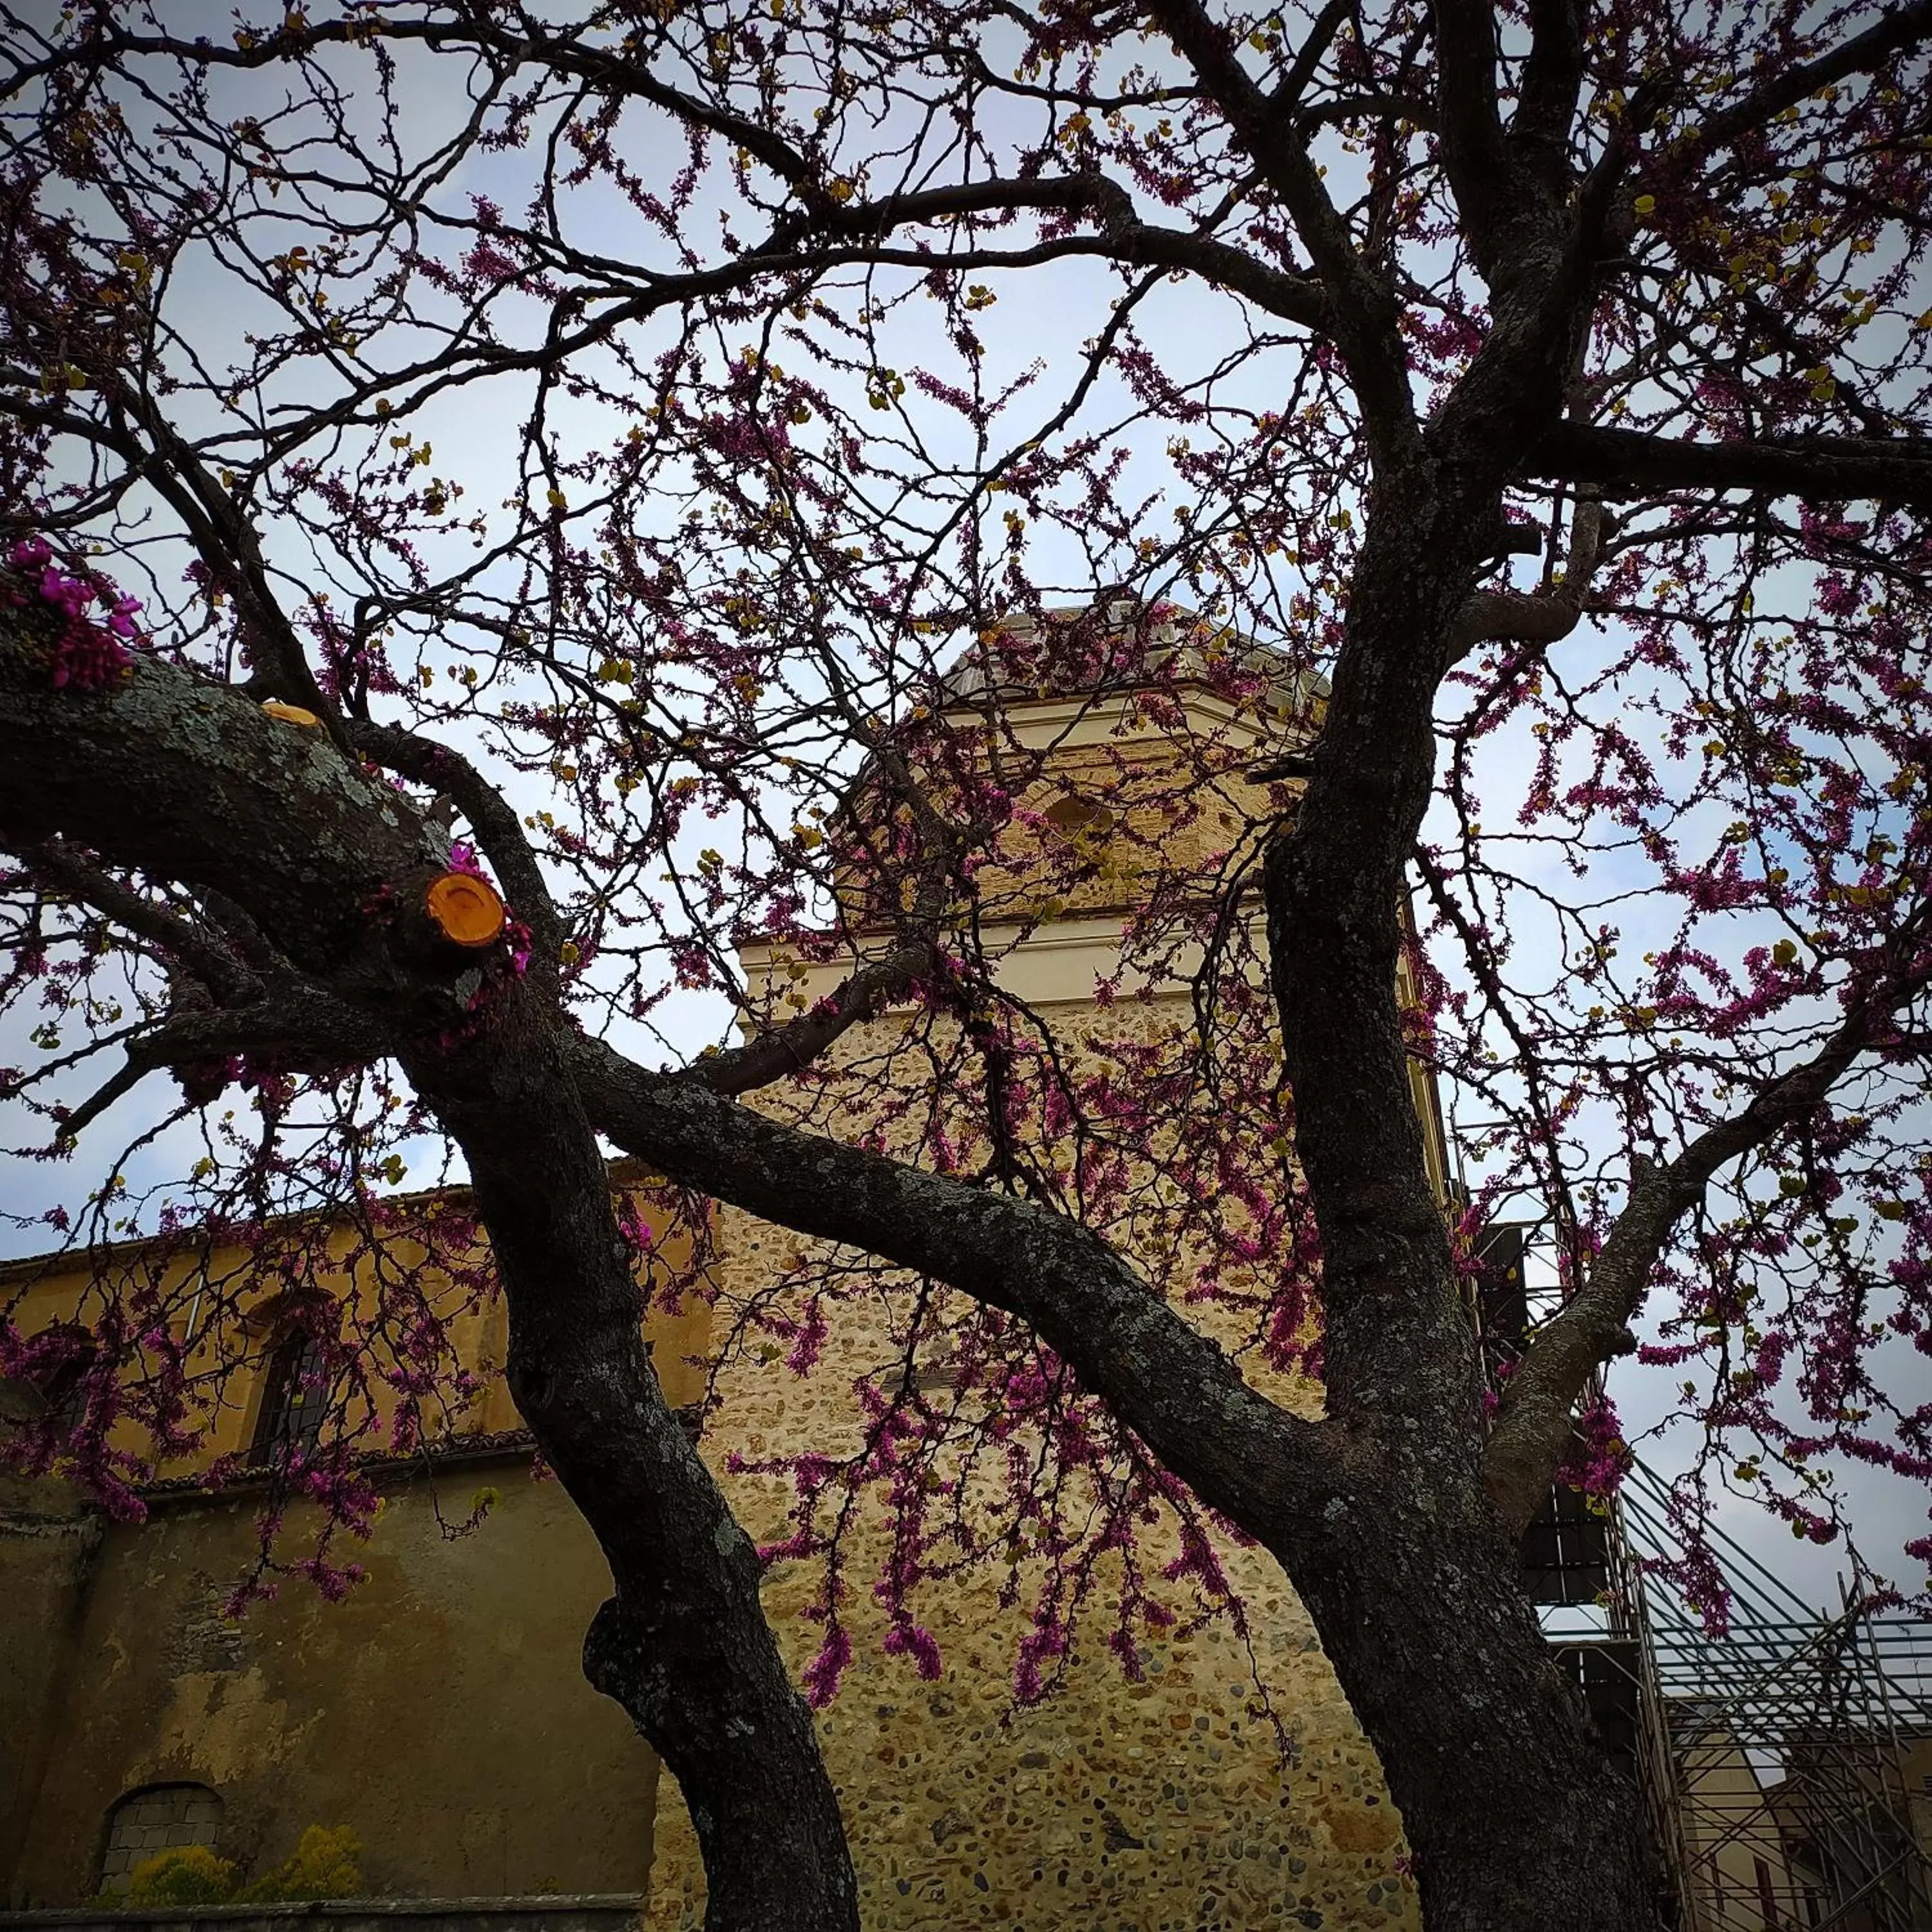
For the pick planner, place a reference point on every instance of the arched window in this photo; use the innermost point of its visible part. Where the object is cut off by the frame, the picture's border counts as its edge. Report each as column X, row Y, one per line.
column 57, row 1386
column 64, row 1389
column 1079, row 817
column 157, row 1818
column 295, row 1397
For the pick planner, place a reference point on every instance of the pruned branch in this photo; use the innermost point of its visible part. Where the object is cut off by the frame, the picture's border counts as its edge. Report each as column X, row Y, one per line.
column 189, row 755
column 498, row 829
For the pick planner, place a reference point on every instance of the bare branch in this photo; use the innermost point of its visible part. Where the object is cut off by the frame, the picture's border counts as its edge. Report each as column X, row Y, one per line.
column 1546, row 616
column 1321, row 31
column 1626, row 462
column 64, row 870
column 1364, row 313
column 227, row 541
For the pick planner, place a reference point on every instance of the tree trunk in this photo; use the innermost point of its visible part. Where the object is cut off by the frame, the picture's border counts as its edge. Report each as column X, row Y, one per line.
column 683, row 1646
column 1519, row 1821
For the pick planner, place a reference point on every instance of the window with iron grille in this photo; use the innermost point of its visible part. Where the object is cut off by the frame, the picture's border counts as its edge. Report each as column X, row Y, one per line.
column 294, row 1396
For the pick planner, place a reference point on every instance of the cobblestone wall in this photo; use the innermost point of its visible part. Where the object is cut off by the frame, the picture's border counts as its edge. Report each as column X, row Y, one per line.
column 1173, row 1804
column 1231, row 1788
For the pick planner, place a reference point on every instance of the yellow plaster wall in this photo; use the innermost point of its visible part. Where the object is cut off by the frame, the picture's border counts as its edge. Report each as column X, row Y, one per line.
column 439, row 1710
column 226, row 1361
column 1164, row 1804
column 1729, row 1833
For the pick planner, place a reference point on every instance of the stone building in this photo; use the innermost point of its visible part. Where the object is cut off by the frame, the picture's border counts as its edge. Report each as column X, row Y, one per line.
column 439, row 1710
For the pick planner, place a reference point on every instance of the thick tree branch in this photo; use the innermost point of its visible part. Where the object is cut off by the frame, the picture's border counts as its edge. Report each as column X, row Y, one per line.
column 1397, row 1343
column 318, row 854
column 1534, row 1422
column 1124, row 235
column 1286, row 99
column 1552, row 77
column 1904, row 27
column 1545, row 617
column 1474, row 156
column 312, row 1031
column 1627, row 462
column 1294, row 298
column 1510, row 187
column 1174, row 1387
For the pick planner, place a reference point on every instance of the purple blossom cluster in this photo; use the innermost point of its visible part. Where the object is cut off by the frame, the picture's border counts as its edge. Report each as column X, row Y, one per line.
column 89, row 652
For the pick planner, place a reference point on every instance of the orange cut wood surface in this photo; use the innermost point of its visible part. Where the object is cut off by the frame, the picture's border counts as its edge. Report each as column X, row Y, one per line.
column 465, row 909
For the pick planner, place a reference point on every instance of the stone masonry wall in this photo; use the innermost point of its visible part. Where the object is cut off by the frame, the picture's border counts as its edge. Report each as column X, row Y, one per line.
column 1172, row 1804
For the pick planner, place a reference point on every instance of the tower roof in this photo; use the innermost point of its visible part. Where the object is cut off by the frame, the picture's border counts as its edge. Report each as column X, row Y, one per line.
column 1119, row 643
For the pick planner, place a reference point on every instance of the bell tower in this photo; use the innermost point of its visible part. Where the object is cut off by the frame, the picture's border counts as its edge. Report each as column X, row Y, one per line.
column 1101, row 765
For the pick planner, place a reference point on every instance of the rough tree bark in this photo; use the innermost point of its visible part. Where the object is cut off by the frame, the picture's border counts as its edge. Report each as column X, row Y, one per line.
column 311, row 847
column 683, row 1645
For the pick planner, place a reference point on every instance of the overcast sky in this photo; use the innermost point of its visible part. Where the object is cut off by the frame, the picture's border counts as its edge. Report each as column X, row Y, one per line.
column 1042, row 316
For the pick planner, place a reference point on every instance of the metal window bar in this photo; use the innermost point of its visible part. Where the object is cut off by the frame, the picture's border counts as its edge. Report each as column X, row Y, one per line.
column 294, row 1400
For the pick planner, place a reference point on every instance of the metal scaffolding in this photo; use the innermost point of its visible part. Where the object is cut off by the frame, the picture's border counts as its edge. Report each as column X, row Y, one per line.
column 1792, row 1750
column 1786, row 1759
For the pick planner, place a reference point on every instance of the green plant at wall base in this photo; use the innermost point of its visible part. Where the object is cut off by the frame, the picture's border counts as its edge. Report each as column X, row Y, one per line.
column 182, row 1875
column 324, row 1867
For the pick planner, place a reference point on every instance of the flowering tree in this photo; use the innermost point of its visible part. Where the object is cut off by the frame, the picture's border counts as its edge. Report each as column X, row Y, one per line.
column 1543, row 385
